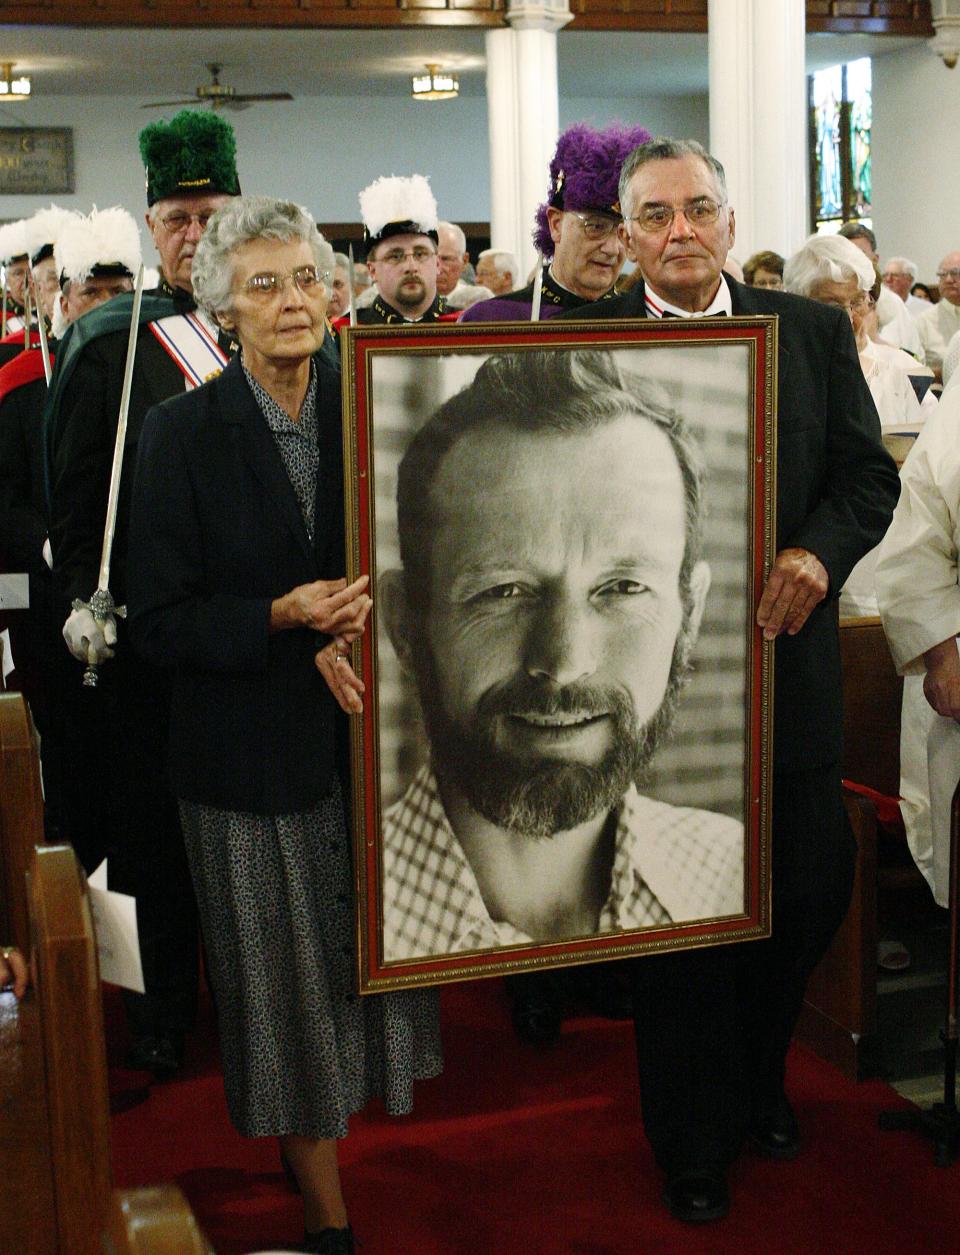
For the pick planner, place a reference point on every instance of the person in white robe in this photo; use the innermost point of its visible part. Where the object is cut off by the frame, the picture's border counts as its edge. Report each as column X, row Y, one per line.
column 942, row 321
column 919, row 595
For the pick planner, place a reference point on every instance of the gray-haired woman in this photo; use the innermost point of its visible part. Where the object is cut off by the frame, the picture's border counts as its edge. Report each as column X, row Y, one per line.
column 237, row 555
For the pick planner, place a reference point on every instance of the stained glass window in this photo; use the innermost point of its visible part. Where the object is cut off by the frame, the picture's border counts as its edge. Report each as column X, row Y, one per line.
column 840, row 168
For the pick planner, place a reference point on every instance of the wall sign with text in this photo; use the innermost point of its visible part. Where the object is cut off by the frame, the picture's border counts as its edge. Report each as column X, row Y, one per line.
column 35, row 160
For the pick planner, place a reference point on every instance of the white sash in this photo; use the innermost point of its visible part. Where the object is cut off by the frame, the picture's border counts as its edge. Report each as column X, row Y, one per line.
column 191, row 346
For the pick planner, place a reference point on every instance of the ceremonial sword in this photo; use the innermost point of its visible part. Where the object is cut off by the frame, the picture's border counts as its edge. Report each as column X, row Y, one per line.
column 42, row 328
column 353, row 299
column 537, row 290
column 101, row 604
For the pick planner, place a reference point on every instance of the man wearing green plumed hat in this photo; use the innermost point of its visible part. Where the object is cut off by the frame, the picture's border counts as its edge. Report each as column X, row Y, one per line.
column 118, row 798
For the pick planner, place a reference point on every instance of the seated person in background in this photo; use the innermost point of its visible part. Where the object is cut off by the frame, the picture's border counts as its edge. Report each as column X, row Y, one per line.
column 764, row 270
column 498, row 270
column 896, row 325
column 899, row 275
column 919, row 594
column 939, row 324
column 923, row 292
column 830, row 269
column 466, row 294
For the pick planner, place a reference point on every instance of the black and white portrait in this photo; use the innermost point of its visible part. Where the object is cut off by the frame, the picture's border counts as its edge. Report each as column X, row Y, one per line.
column 563, row 545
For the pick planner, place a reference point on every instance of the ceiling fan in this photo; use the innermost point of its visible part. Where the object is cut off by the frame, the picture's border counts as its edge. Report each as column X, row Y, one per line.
column 219, row 95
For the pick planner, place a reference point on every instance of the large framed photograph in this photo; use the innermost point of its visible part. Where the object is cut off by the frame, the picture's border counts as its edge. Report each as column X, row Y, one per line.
column 564, row 754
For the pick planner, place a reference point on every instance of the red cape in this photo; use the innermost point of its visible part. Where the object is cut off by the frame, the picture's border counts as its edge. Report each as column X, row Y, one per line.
column 16, row 337
column 24, row 369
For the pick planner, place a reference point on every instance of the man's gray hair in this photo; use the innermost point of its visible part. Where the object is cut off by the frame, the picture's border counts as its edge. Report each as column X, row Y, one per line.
column 241, row 221
column 457, row 233
column 342, row 262
column 503, row 262
column 827, row 259
column 665, row 149
column 906, row 265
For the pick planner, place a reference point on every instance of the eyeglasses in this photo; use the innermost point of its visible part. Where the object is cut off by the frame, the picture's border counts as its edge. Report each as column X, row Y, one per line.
column 595, row 226
column 861, row 301
column 948, row 274
column 699, row 213
column 397, row 256
column 178, row 221
column 267, row 284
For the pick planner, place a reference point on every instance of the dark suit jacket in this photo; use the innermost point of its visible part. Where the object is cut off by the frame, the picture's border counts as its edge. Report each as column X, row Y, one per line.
column 836, row 491
column 215, row 535
column 82, row 456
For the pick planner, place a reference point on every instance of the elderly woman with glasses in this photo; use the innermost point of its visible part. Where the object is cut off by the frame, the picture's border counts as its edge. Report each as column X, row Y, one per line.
column 831, row 269
column 237, row 557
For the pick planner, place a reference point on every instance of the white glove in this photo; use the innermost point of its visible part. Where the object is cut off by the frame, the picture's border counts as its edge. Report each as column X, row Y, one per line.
column 88, row 640
column 48, row 553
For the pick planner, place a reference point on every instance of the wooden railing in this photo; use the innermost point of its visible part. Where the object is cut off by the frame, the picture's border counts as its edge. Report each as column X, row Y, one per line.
column 54, row 1105
column 879, row 17
column 21, row 814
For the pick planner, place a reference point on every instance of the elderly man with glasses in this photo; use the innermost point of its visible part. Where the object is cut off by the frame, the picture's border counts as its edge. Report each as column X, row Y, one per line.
column 713, row 1026
column 939, row 324
column 576, row 229
column 117, row 796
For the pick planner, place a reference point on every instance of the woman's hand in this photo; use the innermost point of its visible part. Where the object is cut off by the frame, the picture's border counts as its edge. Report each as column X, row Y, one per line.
column 333, row 663
column 331, row 606
column 13, row 971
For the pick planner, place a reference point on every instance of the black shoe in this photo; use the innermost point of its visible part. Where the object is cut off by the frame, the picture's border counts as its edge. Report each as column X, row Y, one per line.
column 162, row 1055
column 697, row 1195
column 329, row 1242
column 774, row 1132
column 537, row 1017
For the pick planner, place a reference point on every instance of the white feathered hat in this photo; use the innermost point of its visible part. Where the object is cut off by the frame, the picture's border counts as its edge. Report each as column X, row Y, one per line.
column 394, row 205
column 104, row 243
column 13, row 241
column 43, row 231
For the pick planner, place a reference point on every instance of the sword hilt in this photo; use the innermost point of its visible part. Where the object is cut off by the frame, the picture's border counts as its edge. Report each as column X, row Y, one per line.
column 100, row 605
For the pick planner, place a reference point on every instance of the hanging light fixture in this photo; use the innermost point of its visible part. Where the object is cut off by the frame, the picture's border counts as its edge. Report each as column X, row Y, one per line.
column 946, row 23
column 13, row 88
column 436, row 84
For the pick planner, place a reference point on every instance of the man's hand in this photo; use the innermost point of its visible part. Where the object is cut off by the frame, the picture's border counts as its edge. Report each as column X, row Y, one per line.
column 88, row 640
column 333, row 663
column 331, row 606
column 797, row 582
column 941, row 684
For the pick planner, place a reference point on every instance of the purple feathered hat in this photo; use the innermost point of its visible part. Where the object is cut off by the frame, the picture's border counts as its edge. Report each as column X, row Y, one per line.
column 585, row 172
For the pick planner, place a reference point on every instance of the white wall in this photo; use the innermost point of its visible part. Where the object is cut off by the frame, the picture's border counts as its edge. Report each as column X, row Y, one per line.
column 916, row 175
column 321, row 151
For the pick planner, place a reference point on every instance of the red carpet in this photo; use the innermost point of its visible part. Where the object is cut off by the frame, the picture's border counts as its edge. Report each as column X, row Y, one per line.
column 526, row 1152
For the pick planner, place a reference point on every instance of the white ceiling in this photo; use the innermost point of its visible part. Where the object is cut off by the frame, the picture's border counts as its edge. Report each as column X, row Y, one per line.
column 156, row 64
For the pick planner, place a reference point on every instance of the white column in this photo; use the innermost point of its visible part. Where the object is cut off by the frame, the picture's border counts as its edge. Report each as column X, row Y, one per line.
column 758, row 118
column 523, row 117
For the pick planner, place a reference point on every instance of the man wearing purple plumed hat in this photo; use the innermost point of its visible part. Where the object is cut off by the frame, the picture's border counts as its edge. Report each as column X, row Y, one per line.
column 576, row 228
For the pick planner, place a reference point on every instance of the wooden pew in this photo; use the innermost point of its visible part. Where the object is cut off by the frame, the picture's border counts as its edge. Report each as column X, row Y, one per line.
column 21, row 815
column 839, row 1016
column 152, row 1221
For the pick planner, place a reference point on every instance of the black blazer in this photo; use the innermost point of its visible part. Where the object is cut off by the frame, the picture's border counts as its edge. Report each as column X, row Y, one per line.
column 836, row 491
column 215, row 535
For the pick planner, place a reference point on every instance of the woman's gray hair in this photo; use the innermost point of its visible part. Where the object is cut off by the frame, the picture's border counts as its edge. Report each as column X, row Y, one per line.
column 827, row 259
column 240, row 221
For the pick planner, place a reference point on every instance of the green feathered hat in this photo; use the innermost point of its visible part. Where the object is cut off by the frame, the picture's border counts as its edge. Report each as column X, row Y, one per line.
column 193, row 152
